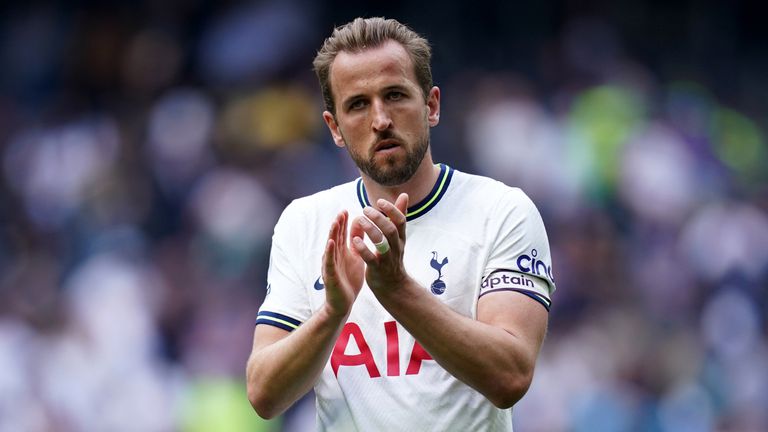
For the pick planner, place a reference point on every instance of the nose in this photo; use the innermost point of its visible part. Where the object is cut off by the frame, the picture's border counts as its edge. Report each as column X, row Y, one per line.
column 381, row 119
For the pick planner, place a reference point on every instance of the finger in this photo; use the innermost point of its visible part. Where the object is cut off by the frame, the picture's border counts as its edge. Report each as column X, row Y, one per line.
column 362, row 250
column 374, row 224
column 342, row 239
column 348, row 231
column 329, row 263
column 393, row 212
column 366, row 226
column 355, row 229
column 334, row 234
column 387, row 225
column 402, row 203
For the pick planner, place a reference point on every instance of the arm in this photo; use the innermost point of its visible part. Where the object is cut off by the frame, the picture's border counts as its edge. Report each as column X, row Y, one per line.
column 495, row 354
column 283, row 366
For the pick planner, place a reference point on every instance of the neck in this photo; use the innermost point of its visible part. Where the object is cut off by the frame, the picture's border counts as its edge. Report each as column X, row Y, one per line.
column 417, row 187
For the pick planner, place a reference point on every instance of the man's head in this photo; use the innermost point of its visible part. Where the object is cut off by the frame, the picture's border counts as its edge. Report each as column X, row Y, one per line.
column 366, row 33
column 380, row 100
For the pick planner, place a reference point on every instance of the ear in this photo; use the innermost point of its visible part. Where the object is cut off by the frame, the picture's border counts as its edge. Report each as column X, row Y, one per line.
column 433, row 105
column 330, row 121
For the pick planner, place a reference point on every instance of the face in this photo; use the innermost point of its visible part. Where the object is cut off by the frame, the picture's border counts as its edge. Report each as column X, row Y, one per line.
column 382, row 117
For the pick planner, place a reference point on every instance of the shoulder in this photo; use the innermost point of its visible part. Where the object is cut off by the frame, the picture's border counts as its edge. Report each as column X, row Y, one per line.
column 485, row 192
column 309, row 208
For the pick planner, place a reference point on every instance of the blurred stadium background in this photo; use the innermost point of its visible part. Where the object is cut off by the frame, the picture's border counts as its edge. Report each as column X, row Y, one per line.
column 148, row 147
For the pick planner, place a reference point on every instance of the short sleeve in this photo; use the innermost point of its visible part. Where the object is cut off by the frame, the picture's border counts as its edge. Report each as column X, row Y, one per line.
column 287, row 303
column 519, row 258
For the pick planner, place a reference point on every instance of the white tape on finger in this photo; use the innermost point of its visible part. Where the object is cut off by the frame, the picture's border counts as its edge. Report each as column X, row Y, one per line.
column 383, row 246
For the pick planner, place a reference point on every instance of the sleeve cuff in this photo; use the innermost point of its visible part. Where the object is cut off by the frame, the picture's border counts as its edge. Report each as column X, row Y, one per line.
column 534, row 295
column 278, row 320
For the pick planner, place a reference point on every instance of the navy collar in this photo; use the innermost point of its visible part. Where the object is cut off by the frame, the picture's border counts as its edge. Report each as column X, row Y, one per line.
column 423, row 206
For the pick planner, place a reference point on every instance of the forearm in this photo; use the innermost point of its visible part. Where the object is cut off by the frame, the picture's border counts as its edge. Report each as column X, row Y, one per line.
column 280, row 373
column 494, row 354
column 488, row 358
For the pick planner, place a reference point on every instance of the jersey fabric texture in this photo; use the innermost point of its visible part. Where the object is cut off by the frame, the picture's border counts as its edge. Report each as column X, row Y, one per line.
column 470, row 237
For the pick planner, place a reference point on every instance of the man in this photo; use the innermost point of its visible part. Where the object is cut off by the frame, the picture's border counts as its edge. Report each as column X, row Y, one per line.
column 425, row 316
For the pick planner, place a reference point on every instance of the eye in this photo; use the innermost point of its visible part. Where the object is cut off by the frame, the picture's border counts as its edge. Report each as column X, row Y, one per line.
column 360, row 103
column 395, row 95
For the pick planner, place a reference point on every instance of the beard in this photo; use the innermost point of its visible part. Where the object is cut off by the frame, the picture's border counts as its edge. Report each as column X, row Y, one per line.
column 391, row 171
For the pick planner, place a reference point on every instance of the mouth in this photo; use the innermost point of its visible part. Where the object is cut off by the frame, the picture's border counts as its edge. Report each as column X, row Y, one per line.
column 386, row 144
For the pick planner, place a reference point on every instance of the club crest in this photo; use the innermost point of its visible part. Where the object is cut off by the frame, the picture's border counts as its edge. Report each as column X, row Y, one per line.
column 438, row 286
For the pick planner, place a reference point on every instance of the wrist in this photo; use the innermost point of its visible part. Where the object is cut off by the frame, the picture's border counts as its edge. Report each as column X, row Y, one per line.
column 396, row 288
column 333, row 316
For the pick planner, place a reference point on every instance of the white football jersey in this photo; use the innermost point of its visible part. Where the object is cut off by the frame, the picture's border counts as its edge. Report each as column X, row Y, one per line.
column 469, row 237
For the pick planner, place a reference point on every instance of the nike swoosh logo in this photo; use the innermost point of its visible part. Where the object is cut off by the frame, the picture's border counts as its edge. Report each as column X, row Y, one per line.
column 319, row 285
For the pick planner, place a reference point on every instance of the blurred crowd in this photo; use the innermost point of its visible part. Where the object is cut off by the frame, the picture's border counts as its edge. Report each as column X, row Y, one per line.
column 147, row 149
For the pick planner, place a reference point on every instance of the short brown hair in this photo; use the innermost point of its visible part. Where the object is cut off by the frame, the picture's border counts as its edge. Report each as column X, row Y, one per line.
column 365, row 33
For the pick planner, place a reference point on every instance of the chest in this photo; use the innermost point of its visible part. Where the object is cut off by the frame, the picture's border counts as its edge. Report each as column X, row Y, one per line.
column 447, row 264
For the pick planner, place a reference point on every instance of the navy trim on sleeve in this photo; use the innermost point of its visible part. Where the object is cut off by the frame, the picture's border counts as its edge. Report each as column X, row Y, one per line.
column 278, row 320
column 532, row 294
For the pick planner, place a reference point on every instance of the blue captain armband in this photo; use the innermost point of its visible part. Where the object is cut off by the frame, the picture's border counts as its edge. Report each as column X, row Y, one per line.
column 510, row 280
column 534, row 295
